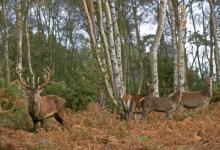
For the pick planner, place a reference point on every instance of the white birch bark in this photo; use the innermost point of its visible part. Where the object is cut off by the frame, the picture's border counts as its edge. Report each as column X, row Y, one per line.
column 19, row 33
column 95, row 48
column 114, row 61
column 5, row 42
column 29, row 51
column 155, row 46
column 181, row 48
column 215, row 38
column 117, row 42
column 105, row 42
column 174, row 44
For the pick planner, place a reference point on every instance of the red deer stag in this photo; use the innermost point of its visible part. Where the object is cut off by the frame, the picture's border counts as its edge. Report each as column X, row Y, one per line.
column 42, row 107
column 161, row 104
column 197, row 99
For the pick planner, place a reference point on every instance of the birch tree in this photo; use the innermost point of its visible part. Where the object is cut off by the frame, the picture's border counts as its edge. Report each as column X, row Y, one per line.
column 5, row 42
column 95, row 49
column 174, row 44
column 181, row 47
column 19, row 33
column 105, row 42
column 115, row 66
column 215, row 38
column 117, row 42
column 27, row 37
column 155, row 46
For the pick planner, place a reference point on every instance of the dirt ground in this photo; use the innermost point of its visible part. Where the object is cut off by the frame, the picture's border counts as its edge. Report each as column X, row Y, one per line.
column 94, row 129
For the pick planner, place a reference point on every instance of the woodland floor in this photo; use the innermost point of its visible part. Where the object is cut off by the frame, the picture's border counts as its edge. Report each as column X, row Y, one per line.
column 93, row 129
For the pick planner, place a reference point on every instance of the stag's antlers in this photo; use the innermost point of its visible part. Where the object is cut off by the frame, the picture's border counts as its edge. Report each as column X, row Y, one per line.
column 23, row 82
column 47, row 77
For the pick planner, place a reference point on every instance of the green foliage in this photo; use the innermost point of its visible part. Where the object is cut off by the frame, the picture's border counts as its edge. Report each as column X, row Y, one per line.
column 6, row 104
column 13, row 92
column 196, row 36
column 143, row 138
column 165, row 73
column 18, row 118
column 194, row 82
column 58, row 88
column 2, row 83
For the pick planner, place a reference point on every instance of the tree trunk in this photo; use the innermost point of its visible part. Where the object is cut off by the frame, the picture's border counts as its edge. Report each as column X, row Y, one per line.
column 117, row 42
column 5, row 42
column 181, row 48
column 215, row 38
column 105, row 43
column 19, row 33
column 29, row 49
column 174, row 44
column 95, row 48
column 114, row 60
column 154, row 48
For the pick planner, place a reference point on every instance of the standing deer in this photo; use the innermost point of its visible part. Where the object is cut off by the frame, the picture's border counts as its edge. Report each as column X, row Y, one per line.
column 197, row 98
column 132, row 103
column 42, row 107
column 161, row 104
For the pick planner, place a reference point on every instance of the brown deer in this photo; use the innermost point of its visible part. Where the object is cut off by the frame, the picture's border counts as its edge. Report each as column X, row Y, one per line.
column 197, row 99
column 42, row 107
column 161, row 104
column 132, row 103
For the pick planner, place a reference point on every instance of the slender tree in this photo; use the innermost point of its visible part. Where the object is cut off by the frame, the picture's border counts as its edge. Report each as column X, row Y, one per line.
column 96, row 49
column 181, row 47
column 154, row 48
column 215, row 38
column 113, row 55
column 5, row 42
column 19, row 33
column 174, row 44
column 27, row 37
column 117, row 42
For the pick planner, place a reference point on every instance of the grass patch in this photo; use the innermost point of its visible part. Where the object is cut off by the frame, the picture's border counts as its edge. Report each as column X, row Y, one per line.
column 44, row 144
column 18, row 118
column 143, row 138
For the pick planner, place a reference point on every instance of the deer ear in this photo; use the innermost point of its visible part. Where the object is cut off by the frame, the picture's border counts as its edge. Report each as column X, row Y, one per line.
column 40, row 90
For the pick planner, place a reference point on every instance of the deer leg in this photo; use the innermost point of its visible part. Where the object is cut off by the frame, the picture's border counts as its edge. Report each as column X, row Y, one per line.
column 179, row 108
column 59, row 118
column 145, row 113
column 131, row 110
column 43, row 124
column 35, row 125
column 169, row 114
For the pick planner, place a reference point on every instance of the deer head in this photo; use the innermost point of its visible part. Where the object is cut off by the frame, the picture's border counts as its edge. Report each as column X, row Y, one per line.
column 34, row 92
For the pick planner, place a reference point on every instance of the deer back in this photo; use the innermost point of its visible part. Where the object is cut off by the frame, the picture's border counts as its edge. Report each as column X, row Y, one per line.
column 194, row 99
column 161, row 103
column 50, row 104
